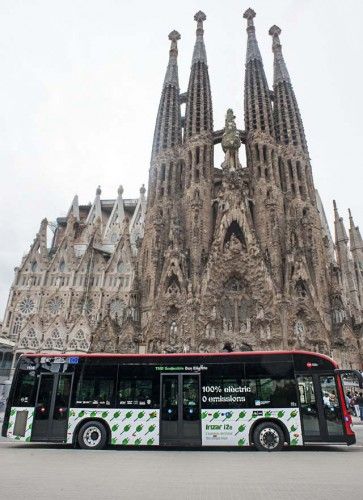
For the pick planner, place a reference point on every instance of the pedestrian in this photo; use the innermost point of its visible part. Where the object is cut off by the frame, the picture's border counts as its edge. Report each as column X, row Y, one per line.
column 355, row 404
column 359, row 402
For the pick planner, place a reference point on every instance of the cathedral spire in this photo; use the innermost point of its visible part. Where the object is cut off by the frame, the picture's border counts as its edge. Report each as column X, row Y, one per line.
column 168, row 123
column 199, row 114
column 340, row 232
column 351, row 275
column 199, row 53
column 356, row 242
column 75, row 207
column 253, row 52
column 280, row 70
column 258, row 108
column 289, row 128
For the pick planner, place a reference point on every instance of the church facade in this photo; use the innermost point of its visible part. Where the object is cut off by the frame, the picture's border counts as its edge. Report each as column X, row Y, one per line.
column 234, row 256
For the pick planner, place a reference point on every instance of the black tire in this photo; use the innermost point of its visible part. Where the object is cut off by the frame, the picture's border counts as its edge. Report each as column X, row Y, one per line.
column 92, row 436
column 268, row 436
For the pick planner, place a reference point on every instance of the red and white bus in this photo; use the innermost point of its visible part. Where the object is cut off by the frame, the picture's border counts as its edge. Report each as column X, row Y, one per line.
column 265, row 399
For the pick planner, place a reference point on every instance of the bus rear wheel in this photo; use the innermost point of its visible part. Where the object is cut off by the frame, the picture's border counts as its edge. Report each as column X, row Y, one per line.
column 268, row 436
column 92, row 436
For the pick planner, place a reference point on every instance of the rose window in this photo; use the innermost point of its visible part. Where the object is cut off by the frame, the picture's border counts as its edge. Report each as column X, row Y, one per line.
column 85, row 305
column 116, row 308
column 27, row 305
column 55, row 305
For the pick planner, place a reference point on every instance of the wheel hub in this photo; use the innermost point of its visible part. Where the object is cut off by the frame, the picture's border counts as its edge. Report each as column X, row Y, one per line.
column 92, row 436
column 269, row 438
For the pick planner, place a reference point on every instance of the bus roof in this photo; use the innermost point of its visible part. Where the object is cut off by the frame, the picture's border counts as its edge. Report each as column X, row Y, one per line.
column 182, row 354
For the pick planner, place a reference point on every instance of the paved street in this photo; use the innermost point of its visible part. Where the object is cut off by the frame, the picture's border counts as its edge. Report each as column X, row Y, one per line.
column 39, row 472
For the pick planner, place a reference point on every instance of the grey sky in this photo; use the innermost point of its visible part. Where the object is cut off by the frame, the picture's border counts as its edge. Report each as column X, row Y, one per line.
column 81, row 81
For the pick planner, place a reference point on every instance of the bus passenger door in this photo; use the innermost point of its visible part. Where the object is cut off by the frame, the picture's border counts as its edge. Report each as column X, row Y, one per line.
column 180, row 422
column 320, row 409
column 51, row 407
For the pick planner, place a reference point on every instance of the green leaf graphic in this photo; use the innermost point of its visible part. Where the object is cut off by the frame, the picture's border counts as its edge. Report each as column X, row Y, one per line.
column 228, row 416
column 215, row 415
column 138, row 441
column 93, row 413
column 125, row 441
column 115, row 415
column 150, row 441
column 126, row 428
column 115, row 427
column 268, row 414
column 241, row 442
column 281, row 413
column 28, row 439
column 81, row 414
column 204, row 414
column 293, row 414
column 151, row 429
column 293, row 428
column 242, row 414
column 241, row 428
column 153, row 414
column 12, row 413
column 139, row 428
column 254, row 415
column 139, row 415
column 114, row 441
column 128, row 415
column 294, row 442
column 105, row 414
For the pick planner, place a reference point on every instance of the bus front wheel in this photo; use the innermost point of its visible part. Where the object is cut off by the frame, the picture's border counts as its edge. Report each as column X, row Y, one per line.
column 268, row 436
column 92, row 436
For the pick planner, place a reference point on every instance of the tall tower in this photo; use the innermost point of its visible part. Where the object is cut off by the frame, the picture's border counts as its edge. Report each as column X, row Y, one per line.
column 356, row 248
column 303, row 231
column 164, row 181
column 347, row 267
column 198, row 157
column 265, row 191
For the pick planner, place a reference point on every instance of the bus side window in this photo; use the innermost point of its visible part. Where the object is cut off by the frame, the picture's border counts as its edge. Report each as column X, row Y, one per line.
column 138, row 386
column 96, row 386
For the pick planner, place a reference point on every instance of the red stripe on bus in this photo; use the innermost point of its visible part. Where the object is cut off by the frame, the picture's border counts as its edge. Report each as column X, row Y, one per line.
column 347, row 419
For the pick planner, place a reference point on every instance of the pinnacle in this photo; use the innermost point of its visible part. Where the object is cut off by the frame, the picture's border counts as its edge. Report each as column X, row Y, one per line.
column 200, row 16
column 120, row 190
column 174, row 36
column 274, row 30
column 249, row 14
column 98, row 191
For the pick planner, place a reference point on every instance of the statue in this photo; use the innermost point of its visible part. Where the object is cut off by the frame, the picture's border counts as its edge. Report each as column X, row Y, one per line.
column 231, row 142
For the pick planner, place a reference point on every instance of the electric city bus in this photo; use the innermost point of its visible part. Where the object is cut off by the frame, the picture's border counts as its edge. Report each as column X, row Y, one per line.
column 265, row 399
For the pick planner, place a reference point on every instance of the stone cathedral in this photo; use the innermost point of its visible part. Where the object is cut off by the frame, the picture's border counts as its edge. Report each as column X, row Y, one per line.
column 237, row 255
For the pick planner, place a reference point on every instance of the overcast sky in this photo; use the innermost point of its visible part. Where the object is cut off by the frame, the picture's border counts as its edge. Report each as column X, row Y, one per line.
column 81, row 80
